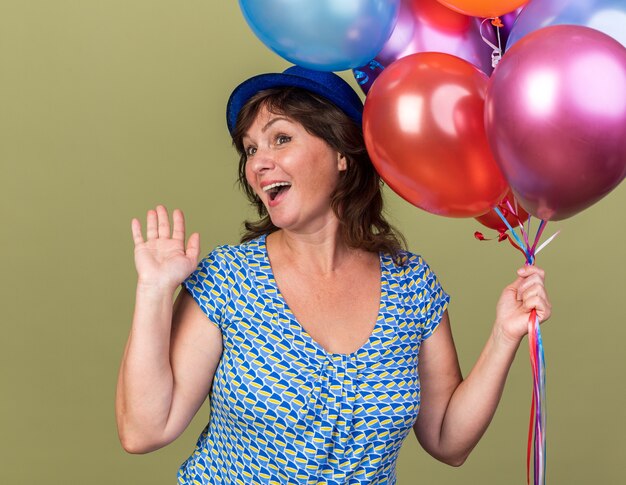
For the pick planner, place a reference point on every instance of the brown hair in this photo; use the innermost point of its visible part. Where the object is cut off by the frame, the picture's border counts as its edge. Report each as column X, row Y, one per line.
column 357, row 200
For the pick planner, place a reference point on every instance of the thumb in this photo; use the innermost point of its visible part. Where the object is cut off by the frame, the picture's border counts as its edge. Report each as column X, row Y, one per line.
column 512, row 289
column 193, row 246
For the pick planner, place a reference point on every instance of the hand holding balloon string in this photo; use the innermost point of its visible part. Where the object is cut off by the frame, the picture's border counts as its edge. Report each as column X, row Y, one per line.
column 532, row 294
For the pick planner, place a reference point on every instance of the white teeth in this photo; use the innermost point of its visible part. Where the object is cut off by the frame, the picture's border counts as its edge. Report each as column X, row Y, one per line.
column 277, row 184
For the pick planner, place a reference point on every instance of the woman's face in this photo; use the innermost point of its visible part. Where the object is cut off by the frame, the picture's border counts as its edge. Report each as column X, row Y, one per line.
column 293, row 172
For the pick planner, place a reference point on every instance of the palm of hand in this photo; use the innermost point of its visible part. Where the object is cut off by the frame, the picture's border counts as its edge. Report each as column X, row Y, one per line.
column 162, row 260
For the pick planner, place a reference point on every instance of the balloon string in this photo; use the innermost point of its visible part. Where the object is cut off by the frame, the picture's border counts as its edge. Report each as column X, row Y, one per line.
column 538, row 417
column 548, row 241
column 519, row 221
column 529, row 446
column 532, row 430
column 540, row 398
column 479, row 235
column 496, row 55
column 529, row 257
column 516, row 246
column 538, row 413
column 542, row 226
column 544, row 404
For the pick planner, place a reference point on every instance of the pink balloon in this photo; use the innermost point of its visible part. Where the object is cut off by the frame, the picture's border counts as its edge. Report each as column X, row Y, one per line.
column 428, row 26
column 555, row 116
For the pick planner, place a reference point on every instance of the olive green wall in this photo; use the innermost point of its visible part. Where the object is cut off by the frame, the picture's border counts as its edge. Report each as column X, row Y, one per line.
column 110, row 107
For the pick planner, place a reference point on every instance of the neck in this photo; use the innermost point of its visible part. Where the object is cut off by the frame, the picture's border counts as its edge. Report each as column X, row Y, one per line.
column 320, row 252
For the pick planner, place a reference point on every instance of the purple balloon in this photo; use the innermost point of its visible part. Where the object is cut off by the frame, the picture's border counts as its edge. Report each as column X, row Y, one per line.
column 428, row 26
column 608, row 16
column 555, row 116
column 508, row 20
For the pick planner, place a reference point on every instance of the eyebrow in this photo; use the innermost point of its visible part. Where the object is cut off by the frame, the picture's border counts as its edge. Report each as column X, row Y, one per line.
column 268, row 125
column 272, row 121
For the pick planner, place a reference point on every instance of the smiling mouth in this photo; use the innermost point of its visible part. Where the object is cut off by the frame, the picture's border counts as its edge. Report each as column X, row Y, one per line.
column 274, row 190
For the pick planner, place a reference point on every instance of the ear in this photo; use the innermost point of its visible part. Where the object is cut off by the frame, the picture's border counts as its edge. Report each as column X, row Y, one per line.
column 342, row 163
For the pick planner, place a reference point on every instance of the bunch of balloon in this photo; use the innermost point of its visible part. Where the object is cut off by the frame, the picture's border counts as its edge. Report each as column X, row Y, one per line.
column 555, row 116
column 543, row 136
column 326, row 35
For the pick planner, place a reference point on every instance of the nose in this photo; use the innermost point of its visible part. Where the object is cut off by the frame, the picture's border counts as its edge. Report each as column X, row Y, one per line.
column 262, row 161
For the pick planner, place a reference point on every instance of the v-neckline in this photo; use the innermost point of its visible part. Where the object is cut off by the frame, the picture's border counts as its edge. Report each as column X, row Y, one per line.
column 315, row 343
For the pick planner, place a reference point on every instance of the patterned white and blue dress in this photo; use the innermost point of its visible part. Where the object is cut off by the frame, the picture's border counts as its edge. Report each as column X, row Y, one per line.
column 285, row 411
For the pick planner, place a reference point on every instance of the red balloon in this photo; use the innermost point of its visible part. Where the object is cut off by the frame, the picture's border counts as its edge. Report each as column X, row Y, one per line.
column 493, row 221
column 424, row 131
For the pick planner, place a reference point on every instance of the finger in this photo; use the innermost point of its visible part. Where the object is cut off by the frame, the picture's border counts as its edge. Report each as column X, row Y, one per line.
column 193, row 246
column 535, row 290
column 164, row 221
column 151, row 230
column 540, row 305
column 179, row 225
column 527, row 271
column 514, row 287
column 135, row 227
column 529, row 282
column 510, row 290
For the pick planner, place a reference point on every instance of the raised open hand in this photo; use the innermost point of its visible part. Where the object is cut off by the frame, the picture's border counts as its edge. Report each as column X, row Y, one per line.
column 162, row 260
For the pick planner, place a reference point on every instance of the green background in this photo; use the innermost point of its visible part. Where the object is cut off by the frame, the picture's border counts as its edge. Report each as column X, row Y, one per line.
column 109, row 108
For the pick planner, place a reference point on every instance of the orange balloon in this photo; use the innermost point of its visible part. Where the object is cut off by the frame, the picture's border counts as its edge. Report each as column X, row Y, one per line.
column 483, row 8
column 493, row 221
column 424, row 131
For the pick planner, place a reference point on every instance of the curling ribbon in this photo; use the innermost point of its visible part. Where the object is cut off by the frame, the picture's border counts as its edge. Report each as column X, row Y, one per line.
column 362, row 77
column 496, row 55
column 538, row 411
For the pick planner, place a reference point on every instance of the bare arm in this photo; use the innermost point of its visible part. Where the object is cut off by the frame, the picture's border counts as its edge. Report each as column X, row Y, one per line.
column 171, row 353
column 455, row 413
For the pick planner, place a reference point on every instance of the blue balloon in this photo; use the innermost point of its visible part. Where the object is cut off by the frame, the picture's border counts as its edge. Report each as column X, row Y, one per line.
column 607, row 16
column 327, row 35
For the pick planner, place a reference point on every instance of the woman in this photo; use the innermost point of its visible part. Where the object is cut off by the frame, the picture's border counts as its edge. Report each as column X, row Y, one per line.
column 307, row 335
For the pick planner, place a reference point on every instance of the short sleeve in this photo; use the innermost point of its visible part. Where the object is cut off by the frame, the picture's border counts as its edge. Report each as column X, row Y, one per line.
column 208, row 285
column 431, row 300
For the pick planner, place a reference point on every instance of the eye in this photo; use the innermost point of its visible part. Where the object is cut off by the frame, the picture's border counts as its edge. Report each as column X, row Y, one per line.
column 250, row 150
column 281, row 139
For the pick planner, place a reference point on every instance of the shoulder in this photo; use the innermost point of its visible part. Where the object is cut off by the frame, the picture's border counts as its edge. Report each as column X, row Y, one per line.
column 235, row 253
column 404, row 262
column 409, row 268
column 221, row 271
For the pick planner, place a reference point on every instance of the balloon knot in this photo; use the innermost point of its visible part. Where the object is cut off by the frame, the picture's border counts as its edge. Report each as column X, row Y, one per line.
column 496, row 22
